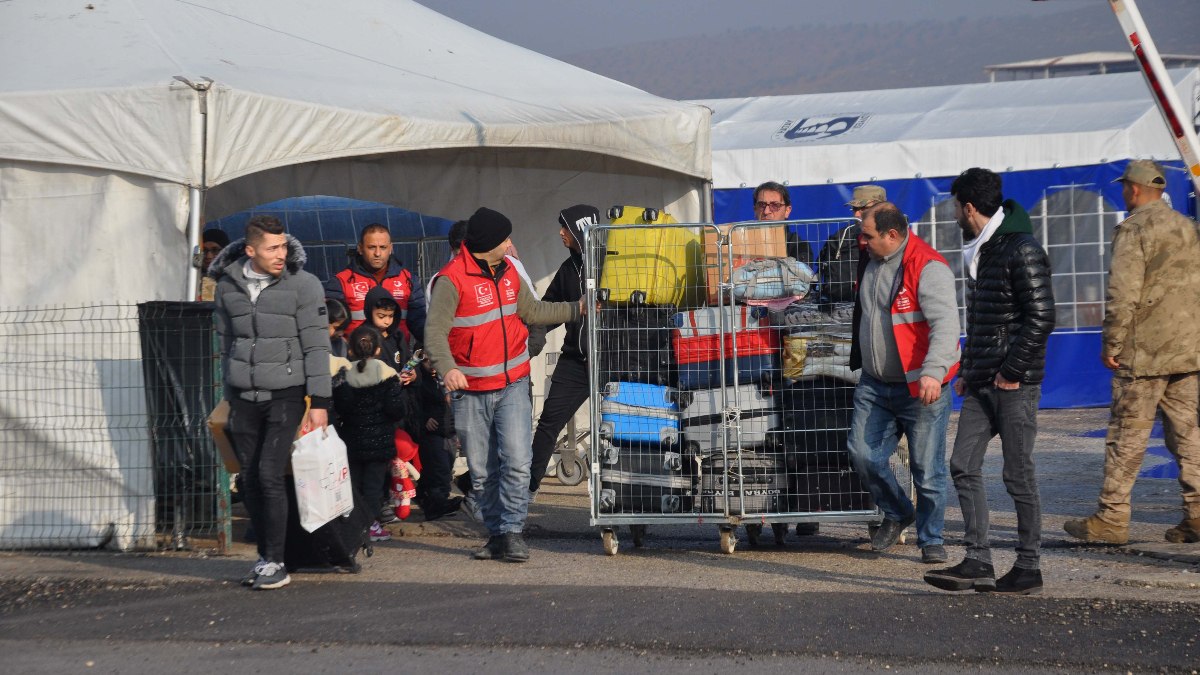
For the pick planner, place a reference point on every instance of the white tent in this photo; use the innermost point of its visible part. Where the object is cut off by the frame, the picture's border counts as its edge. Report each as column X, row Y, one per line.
column 1057, row 144
column 892, row 134
column 118, row 116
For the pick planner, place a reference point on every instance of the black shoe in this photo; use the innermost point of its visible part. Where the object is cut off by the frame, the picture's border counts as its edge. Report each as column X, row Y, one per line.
column 446, row 508
column 933, row 554
column 1020, row 581
column 964, row 576
column 807, row 529
column 515, row 549
column 492, row 550
column 889, row 531
column 463, row 483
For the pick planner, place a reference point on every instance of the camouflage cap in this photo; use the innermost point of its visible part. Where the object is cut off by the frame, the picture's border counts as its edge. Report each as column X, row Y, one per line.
column 1143, row 172
column 865, row 194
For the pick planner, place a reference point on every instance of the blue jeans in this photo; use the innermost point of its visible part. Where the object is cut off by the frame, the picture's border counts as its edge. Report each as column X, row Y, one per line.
column 496, row 431
column 883, row 411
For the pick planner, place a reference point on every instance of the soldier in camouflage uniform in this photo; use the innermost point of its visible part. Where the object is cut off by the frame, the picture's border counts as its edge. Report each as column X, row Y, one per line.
column 1152, row 344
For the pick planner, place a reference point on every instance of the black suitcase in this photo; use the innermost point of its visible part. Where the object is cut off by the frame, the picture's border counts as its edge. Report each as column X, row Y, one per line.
column 821, row 491
column 334, row 546
column 757, row 485
column 635, row 344
column 644, row 479
column 816, row 425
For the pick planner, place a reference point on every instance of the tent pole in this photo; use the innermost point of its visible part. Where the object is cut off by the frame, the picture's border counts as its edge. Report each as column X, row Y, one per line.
column 193, row 235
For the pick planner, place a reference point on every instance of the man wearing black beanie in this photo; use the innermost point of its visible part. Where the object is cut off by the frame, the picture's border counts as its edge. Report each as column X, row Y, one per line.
column 475, row 335
column 569, row 386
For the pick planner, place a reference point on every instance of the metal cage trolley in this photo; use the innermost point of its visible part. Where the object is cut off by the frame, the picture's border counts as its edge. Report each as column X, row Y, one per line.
column 723, row 392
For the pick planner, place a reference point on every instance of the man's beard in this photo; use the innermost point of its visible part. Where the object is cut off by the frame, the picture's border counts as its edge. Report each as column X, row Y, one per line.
column 968, row 232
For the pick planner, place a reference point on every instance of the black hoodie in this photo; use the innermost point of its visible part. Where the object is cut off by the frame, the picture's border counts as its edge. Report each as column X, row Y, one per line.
column 568, row 282
column 395, row 349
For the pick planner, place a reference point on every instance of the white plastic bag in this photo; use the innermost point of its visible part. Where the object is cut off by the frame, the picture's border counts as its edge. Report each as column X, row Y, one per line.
column 322, row 477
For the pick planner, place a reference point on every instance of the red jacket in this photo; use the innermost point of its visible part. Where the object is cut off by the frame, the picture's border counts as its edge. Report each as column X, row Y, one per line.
column 908, row 321
column 355, row 285
column 487, row 338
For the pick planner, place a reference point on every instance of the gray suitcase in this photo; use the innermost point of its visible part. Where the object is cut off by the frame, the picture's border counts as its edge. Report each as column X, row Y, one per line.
column 703, row 413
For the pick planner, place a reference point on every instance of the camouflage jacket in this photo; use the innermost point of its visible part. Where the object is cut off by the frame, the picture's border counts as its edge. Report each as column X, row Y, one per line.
column 1152, row 317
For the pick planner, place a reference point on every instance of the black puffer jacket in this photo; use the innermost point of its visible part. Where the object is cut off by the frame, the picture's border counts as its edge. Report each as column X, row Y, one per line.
column 1010, row 306
column 369, row 404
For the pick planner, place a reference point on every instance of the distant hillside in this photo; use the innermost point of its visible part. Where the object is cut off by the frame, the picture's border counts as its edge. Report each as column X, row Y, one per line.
column 756, row 62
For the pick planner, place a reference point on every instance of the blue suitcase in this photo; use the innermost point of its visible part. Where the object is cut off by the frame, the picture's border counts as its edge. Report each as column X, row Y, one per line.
column 632, row 412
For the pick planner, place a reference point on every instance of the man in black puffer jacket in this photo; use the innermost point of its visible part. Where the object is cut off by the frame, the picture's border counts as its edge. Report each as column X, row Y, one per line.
column 569, row 385
column 1010, row 315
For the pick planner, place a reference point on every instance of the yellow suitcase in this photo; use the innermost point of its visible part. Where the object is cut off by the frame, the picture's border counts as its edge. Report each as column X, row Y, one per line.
column 647, row 265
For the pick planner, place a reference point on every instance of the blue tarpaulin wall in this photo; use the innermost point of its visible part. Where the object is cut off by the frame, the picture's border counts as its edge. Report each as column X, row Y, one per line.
column 1074, row 376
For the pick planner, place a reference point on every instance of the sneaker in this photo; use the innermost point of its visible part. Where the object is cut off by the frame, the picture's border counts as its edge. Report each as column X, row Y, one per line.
column 933, row 554
column 889, row 531
column 446, row 508
column 388, row 516
column 515, row 549
column 1094, row 530
column 1020, row 581
column 248, row 580
column 377, row 533
column 492, row 550
column 964, row 576
column 1186, row 532
column 273, row 575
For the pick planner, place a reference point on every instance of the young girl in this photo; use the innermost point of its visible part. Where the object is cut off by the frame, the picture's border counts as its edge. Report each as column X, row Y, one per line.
column 369, row 403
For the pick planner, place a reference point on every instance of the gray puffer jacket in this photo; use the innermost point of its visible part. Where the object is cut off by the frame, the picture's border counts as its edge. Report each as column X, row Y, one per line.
column 278, row 346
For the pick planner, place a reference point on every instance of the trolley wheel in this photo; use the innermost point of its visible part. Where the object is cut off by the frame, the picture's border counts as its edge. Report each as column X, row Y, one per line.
column 571, row 471
column 602, row 294
column 637, row 298
column 639, row 535
column 608, row 537
column 728, row 539
column 752, row 533
column 780, row 531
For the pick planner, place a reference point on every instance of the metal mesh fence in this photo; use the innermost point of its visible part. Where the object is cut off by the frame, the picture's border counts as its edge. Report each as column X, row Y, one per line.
column 103, row 441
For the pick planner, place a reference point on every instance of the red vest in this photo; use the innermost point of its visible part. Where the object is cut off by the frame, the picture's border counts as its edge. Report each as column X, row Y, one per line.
column 908, row 321
column 355, row 287
column 487, row 338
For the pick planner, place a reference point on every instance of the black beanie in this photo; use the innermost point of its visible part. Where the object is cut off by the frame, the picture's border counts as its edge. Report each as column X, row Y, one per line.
column 217, row 237
column 487, row 229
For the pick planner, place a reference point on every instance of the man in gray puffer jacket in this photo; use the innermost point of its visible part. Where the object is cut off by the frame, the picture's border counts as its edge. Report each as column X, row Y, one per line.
column 270, row 317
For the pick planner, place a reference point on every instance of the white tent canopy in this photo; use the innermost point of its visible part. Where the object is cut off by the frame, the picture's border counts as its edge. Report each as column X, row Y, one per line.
column 117, row 115
column 95, row 127
column 936, row 131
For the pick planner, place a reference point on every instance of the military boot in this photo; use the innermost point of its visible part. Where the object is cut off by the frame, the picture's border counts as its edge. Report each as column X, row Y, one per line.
column 1186, row 532
column 1092, row 529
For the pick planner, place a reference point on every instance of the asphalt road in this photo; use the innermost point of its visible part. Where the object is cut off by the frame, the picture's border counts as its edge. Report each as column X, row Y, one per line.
column 823, row 603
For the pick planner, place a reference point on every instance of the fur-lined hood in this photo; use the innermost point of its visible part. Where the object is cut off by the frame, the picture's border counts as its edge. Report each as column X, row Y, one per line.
column 236, row 252
column 374, row 372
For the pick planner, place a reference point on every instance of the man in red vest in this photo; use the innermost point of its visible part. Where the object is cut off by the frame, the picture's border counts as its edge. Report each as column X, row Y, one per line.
column 476, row 336
column 374, row 265
column 906, row 332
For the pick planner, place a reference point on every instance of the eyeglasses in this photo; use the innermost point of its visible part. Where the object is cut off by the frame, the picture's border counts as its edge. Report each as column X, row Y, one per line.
column 768, row 206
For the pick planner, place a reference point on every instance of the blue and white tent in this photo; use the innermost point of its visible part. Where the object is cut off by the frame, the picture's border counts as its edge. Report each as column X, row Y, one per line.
column 1057, row 143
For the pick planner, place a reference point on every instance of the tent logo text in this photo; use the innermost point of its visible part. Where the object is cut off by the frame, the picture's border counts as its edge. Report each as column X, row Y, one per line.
column 820, row 127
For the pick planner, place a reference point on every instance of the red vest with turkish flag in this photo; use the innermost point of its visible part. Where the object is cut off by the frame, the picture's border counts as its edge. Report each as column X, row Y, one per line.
column 355, row 287
column 908, row 321
column 487, row 337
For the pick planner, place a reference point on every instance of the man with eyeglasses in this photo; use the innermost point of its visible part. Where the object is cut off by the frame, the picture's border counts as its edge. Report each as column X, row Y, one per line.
column 773, row 203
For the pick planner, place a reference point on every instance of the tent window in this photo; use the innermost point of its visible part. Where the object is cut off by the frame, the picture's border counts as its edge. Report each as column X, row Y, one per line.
column 1075, row 224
